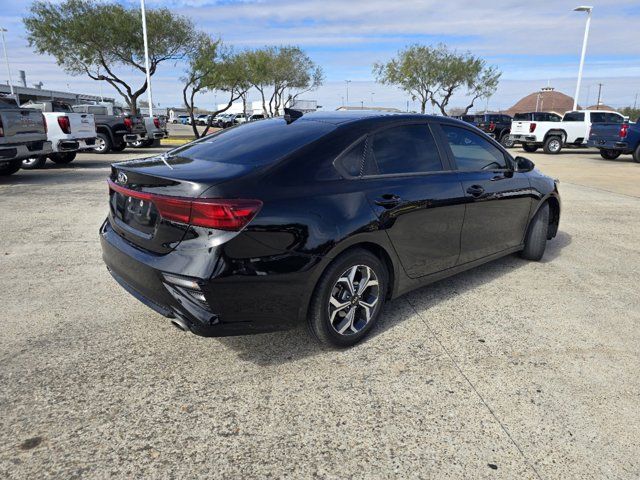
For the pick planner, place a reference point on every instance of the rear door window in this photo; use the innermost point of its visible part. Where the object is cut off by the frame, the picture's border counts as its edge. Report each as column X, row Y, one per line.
column 613, row 118
column 522, row 117
column 573, row 117
column 97, row 110
column 598, row 117
column 473, row 152
column 350, row 162
column 405, row 149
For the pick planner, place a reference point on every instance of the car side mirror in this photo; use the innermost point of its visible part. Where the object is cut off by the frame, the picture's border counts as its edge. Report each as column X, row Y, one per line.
column 524, row 165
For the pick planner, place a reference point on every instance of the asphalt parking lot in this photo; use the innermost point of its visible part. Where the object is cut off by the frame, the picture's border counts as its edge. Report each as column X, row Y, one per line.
column 513, row 370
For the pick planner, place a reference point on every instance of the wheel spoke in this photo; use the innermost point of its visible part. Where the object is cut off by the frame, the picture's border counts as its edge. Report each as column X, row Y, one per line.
column 348, row 277
column 337, row 307
column 346, row 322
column 367, row 281
column 368, row 308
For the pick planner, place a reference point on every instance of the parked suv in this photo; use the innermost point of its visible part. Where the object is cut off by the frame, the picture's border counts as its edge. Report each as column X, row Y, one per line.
column 319, row 219
column 616, row 138
column 23, row 133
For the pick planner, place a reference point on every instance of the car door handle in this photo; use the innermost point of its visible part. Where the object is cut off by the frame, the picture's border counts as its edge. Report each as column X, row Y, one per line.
column 388, row 200
column 475, row 190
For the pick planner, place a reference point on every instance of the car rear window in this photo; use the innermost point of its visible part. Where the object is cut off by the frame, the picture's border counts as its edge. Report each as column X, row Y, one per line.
column 259, row 143
column 522, row 117
column 573, row 117
column 7, row 104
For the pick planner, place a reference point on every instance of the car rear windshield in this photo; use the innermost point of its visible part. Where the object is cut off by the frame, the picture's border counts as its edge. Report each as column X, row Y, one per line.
column 7, row 104
column 259, row 143
column 522, row 117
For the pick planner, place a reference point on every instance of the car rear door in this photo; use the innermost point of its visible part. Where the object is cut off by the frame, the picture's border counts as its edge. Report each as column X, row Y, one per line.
column 415, row 195
column 497, row 199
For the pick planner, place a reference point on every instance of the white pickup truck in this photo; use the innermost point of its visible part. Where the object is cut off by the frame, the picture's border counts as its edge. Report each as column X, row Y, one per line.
column 67, row 131
column 552, row 136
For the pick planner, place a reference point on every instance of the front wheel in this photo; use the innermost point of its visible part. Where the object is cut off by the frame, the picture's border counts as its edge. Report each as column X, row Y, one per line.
column 63, row 158
column 527, row 147
column 552, row 145
column 636, row 154
column 610, row 154
column 348, row 299
column 506, row 141
column 9, row 167
column 34, row 163
column 535, row 241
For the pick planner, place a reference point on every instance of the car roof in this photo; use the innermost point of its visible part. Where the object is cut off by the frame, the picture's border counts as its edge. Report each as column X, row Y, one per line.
column 350, row 116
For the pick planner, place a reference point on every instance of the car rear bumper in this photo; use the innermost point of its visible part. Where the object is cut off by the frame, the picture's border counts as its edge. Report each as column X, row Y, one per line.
column 73, row 145
column 520, row 138
column 233, row 304
column 609, row 145
column 25, row 150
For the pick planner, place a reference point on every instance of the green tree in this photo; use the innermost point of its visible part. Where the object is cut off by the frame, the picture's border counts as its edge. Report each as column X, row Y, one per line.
column 275, row 70
column 99, row 39
column 631, row 112
column 435, row 74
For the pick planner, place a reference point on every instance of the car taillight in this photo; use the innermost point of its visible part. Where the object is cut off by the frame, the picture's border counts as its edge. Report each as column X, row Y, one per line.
column 65, row 124
column 532, row 127
column 156, row 122
column 623, row 130
column 492, row 127
column 221, row 214
column 128, row 123
column 1, row 129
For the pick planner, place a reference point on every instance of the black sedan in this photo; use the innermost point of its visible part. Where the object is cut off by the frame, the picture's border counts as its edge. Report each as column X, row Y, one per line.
column 318, row 219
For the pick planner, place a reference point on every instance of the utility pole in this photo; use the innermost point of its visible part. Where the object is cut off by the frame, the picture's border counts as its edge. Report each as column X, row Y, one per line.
column 407, row 105
column 635, row 102
column 146, row 59
column 361, row 104
column 6, row 59
column 599, row 92
column 584, row 50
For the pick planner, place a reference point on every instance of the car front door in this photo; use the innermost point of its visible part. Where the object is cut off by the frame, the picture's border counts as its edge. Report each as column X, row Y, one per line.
column 416, row 196
column 497, row 199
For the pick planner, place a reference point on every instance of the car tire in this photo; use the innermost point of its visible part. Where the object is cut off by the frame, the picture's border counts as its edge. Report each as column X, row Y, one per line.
column 529, row 148
column 636, row 154
column 349, row 315
column 119, row 148
column 9, row 168
column 535, row 241
column 103, row 144
column 34, row 163
column 63, row 158
column 609, row 154
column 552, row 145
column 506, row 140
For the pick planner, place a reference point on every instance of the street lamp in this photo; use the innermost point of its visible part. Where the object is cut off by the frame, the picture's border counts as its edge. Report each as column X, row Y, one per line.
column 584, row 50
column 146, row 58
column 6, row 59
column 347, row 82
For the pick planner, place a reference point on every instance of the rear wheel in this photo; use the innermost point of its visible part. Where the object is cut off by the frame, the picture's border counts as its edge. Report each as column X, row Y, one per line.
column 63, row 158
column 527, row 147
column 610, row 154
column 103, row 144
column 348, row 299
column 119, row 147
column 33, row 163
column 9, row 167
column 636, row 154
column 535, row 242
column 506, row 141
column 553, row 145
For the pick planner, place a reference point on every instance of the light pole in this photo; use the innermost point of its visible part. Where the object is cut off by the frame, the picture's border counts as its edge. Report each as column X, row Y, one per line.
column 6, row 59
column 146, row 58
column 347, row 82
column 372, row 94
column 584, row 50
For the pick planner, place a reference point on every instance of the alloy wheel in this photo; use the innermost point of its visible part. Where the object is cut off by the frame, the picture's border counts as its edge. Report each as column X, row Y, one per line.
column 100, row 145
column 554, row 145
column 353, row 299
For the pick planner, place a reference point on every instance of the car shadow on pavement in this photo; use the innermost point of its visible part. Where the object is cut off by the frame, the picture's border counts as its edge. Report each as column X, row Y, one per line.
column 292, row 345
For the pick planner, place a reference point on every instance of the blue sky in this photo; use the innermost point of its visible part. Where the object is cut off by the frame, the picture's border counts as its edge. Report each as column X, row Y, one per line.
column 533, row 43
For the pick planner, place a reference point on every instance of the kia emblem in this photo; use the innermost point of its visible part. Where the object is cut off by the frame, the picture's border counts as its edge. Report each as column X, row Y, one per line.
column 122, row 178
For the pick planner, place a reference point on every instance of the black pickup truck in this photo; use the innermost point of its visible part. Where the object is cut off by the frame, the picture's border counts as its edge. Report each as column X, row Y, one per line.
column 496, row 125
column 115, row 128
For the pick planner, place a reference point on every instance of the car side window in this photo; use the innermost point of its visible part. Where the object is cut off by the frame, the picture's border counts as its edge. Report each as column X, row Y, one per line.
column 351, row 160
column 598, row 117
column 472, row 152
column 613, row 118
column 405, row 149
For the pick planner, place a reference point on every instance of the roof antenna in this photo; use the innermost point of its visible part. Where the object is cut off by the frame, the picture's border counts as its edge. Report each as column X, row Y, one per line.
column 291, row 115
